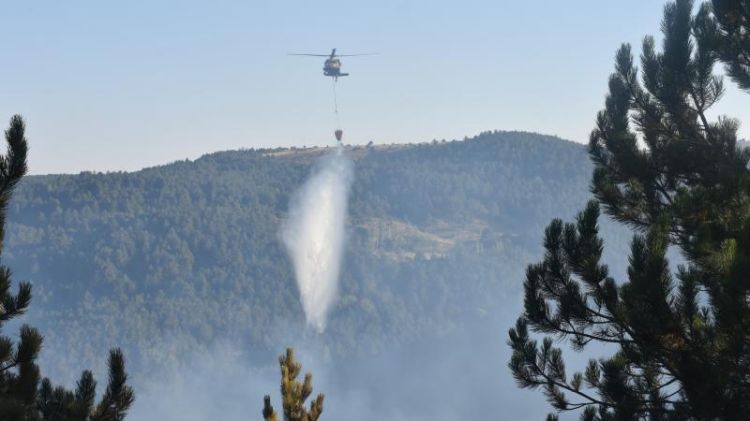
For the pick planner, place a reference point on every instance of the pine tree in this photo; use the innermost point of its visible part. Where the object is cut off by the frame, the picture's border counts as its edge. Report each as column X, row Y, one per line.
column 681, row 339
column 294, row 393
column 22, row 397
column 729, row 31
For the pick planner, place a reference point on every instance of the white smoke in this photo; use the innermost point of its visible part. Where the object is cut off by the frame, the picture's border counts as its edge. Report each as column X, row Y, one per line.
column 314, row 235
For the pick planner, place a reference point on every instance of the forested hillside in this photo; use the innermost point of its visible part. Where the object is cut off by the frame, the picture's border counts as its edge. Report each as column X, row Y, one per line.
column 177, row 257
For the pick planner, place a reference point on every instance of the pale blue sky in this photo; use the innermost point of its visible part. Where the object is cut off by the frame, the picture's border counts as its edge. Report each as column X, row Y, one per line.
column 124, row 85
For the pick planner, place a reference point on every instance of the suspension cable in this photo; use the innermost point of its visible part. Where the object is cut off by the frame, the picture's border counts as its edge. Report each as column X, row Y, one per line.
column 336, row 105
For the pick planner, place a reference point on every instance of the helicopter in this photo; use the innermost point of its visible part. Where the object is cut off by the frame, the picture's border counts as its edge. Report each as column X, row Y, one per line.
column 332, row 65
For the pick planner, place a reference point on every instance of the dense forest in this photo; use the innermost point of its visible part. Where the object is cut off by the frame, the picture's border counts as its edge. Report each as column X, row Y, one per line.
column 177, row 257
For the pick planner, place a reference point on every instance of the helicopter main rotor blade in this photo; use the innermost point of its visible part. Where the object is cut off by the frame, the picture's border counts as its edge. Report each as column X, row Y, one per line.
column 311, row 55
column 353, row 55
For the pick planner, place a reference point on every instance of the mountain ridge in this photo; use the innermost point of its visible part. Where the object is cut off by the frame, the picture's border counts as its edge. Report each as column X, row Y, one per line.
column 190, row 250
column 317, row 150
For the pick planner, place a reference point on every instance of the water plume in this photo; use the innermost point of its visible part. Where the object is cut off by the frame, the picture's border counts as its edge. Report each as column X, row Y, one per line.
column 314, row 234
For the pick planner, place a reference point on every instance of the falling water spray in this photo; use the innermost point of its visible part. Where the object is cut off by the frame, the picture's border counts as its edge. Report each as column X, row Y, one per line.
column 314, row 234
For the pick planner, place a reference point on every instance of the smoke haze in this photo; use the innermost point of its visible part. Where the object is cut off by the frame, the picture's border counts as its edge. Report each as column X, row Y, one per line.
column 460, row 376
column 408, row 282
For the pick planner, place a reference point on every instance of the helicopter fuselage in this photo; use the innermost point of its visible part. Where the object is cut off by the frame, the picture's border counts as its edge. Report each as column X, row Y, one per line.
column 332, row 68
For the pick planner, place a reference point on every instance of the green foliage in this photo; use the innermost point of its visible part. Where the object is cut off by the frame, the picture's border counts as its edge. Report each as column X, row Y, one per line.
column 118, row 396
column 294, row 393
column 725, row 26
column 57, row 403
column 184, row 255
column 21, row 395
column 681, row 340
